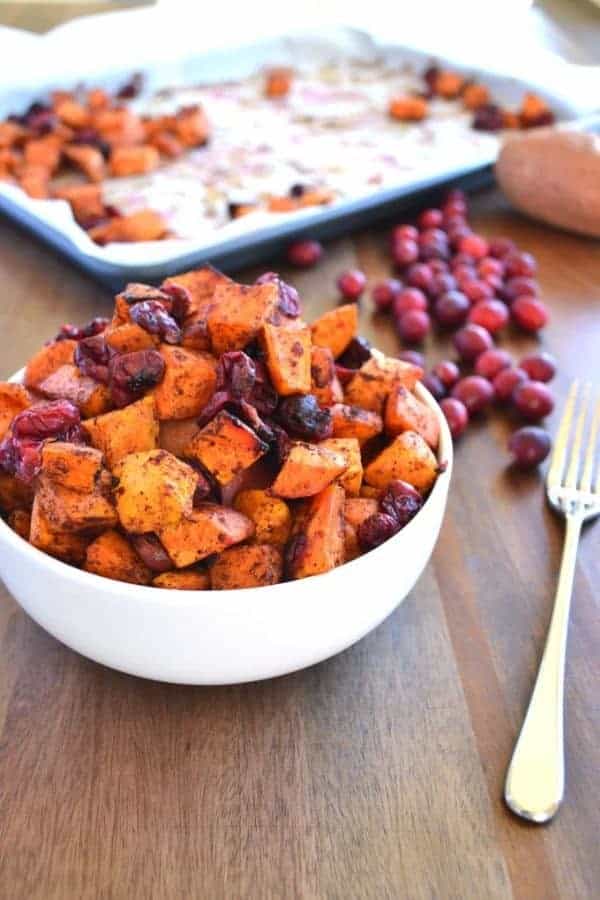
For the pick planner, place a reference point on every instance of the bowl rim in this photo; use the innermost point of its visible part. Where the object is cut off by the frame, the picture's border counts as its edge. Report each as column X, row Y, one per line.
column 186, row 597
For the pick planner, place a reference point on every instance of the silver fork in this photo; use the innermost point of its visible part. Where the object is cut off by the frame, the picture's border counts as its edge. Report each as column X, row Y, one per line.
column 535, row 779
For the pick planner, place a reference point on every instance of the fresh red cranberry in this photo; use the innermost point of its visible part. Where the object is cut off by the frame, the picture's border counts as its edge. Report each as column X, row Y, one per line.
column 356, row 353
column 442, row 283
column 304, row 254
column 434, row 385
column 289, row 299
column 478, row 290
column 501, row 247
column 152, row 552
column 490, row 314
column 472, row 340
column 464, row 275
column 520, row 263
column 475, row 392
column 412, row 356
column 303, row 418
column 490, row 266
column 400, row 501
column 462, row 259
column 153, row 318
column 405, row 232
column 434, row 249
column 506, row 381
column 432, row 236
column 475, row 245
column 404, row 251
column 448, row 372
column 351, row 284
column 490, row 362
column 420, row 276
column 519, row 287
column 384, row 293
column 456, row 414
column 529, row 446
column 413, row 326
column 409, row 298
column 529, row 313
column 438, row 266
column 131, row 374
column 451, row 309
column 457, row 234
column 494, row 281
column 533, row 400
column 376, row 529
column 431, row 218
column 539, row 366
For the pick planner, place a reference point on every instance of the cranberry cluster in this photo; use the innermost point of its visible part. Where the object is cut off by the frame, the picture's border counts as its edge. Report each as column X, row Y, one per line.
column 397, row 506
column 21, row 449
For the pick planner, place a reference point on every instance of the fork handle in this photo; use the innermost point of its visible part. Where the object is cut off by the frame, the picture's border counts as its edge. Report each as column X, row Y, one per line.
column 535, row 779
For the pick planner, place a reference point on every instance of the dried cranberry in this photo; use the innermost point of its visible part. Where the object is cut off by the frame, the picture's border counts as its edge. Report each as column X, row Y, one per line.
column 289, row 300
column 204, row 488
column 488, row 118
column 152, row 552
column 356, row 353
column 400, row 501
column 135, row 292
column 180, row 300
column 153, row 318
column 20, row 452
column 40, row 119
column 132, row 88
column 303, row 418
column 263, row 395
column 130, row 374
column 91, row 138
column 279, row 442
column 236, row 374
column 376, row 529
column 92, row 356
column 344, row 374
column 77, row 333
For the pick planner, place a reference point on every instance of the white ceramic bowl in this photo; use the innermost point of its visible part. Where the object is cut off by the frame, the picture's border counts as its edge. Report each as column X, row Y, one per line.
column 225, row 637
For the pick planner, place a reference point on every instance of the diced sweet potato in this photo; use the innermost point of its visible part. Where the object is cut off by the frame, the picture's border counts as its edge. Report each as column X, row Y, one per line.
column 66, row 545
column 226, row 446
column 72, row 113
column 166, row 144
column 287, row 354
column 257, row 565
column 69, row 383
column 85, row 201
column 126, row 161
column 45, row 151
column 188, row 383
column 403, row 412
column 278, row 82
column 119, row 127
column 14, row 493
column 368, row 492
column 88, row 159
column 319, row 540
column 129, row 337
column 11, row 135
column 201, row 285
column 351, row 479
column 408, row 458
column 155, row 490
column 408, row 109
column 208, row 529
column 325, row 384
column 14, row 398
column 48, row 360
column 336, row 328
column 183, row 580
column 238, row 314
column 174, row 435
column 73, row 466
column 69, row 510
column 20, row 522
column 307, row 470
column 130, row 430
column 112, row 556
column 375, row 379
column 356, row 510
column 145, row 225
column 191, row 126
column 97, row 99
column 271, row 516
column 35, row 180
column 352, row 421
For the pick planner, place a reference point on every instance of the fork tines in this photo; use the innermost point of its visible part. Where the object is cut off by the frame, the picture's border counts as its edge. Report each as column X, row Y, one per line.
column 571, row 467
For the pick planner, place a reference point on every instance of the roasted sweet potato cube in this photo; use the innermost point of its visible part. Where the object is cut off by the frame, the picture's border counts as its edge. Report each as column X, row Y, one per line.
column 307, row 470
column 375, row 379
column 97, row 99
column 208, row 529
column 48, row 360
column 129, row 337
column 72, row 113
column 369, row 493
column 166, row 144
column 88, row 159
column 325, row 385
column 351, row 479
column 278, row 82
column 73, row 466
column 155, row 490
column 14, row 493
column 119, row 127
column 287, row 354
column 10, row 162
column 126, row 161
column 356, row 510
column 112, row 556
column 70, row 546
column 145, row 225
column 69, row 383
column 201, row 285
column 403, row 412
column 45, row 151
column 336, row 328
column 14, row 398
column 20, row 522
column 226, row 446
column 191, row 126
column 352, row 421
column 319, row 538
column 257, row 565
column 183, row 580
column 407, row 108
column 188, row 383
column 11, row 135
column 70, row 510
column 175, row 434
column 85, row 201
column 130, row 430
column 408, row 458
column 271, row 516
column 35, row 180
column 238, row 314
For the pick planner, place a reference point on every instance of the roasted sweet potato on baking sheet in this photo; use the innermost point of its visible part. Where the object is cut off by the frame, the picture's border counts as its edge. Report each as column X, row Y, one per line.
column 408, row 458
column 208, row 529
column 145, row 225
column 353, row 421
column 403, row 412
column 225, row 447
column 318, row 543
column 133, row 160
column 85, row 200
column 112, row 556
column 67, row 382
column 48, row 360
column 307, row 469
column 44, row 151
column 287, row 354
column 72, row 466
column 271, row 515
column 257, row 565
column 14, row 398
column 88, row 159
column 155, row 490
column 336, row 328
column 123, row 431
column 324, row 384
column 238, row 313
column 188, row 384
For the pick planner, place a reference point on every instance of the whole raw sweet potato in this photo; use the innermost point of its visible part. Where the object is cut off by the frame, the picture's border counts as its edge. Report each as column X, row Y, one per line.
column 208, row 529
column 256, row 565
column 155, row 490
column 123, row 431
